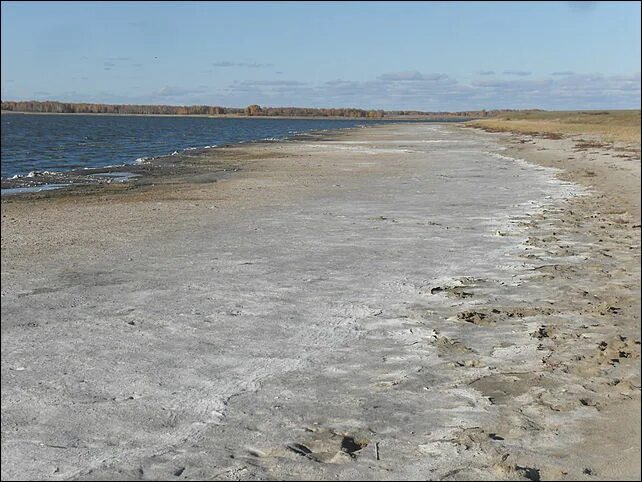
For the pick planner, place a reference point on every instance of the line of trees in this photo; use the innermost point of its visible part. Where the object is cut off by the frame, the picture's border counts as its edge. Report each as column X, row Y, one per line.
column 86, row 108
column 466, row 113
column 251, row 110
column 258, row 111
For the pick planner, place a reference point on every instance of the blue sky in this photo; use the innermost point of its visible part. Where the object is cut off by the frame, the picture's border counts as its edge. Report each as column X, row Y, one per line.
column 390, row 55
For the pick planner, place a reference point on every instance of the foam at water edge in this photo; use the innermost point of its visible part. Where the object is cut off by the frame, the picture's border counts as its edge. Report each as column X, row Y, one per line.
column 43, row 187
column 33, row 174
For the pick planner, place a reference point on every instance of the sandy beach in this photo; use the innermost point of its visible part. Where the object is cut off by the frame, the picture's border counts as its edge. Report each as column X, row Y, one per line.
column 410, row 301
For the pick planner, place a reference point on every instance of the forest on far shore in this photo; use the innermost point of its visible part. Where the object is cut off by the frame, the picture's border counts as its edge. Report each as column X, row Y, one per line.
column 254, row 110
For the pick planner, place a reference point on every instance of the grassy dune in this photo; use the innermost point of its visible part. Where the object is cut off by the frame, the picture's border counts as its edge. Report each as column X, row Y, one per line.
column 614, row 125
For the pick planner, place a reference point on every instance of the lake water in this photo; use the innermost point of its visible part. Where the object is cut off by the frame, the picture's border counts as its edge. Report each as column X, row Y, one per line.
column 65, row 142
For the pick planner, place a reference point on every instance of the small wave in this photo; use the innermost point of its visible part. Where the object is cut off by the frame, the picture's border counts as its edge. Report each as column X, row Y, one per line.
column 86, row 152
column 501, row 156
column 33, row 174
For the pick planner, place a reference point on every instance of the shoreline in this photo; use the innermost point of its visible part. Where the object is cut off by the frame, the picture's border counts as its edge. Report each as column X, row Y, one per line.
column 499, row 368
column 141, row 170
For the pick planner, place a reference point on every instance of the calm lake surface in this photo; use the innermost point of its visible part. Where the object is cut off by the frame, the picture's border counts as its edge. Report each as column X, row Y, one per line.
column 65, row 142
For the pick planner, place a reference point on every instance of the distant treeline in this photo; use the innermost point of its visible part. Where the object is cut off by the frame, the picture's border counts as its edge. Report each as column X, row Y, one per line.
column 85, row 108
column 251, row 110
column 256, row 111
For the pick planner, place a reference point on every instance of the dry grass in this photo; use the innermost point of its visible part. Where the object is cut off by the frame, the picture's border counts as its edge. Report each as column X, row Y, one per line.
column 609, row 126
column 582, row 144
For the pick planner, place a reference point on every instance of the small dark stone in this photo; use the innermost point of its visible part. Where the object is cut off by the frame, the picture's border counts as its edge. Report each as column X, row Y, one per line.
column 350, row 445
column 529, row 472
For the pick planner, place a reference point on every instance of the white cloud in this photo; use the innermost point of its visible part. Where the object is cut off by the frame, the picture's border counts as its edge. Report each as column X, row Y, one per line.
column 429, row 92
column 251, row 65
column 413, row 90
column 519, row 73
column 169, row 91
column 411, row 75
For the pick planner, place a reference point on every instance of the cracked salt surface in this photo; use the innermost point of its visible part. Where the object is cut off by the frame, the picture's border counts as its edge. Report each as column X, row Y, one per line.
column 356, row 350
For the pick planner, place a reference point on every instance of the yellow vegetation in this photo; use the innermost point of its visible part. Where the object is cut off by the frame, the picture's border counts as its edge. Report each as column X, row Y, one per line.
column 614, row 125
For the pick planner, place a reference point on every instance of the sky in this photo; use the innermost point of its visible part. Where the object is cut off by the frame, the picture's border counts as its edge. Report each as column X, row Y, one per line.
column 430, row 56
